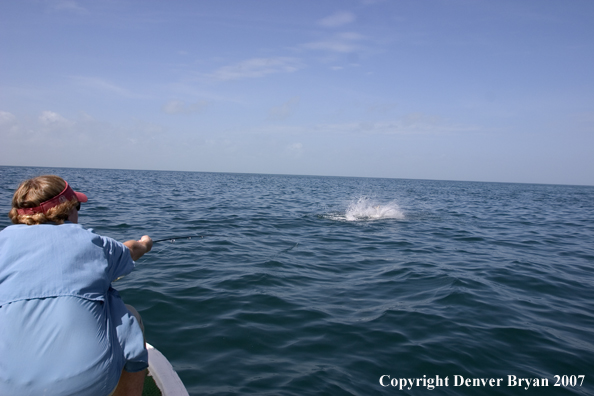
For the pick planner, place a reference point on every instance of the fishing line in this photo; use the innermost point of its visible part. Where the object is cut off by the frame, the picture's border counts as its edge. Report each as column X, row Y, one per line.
column 170, row 239
column 173, row 239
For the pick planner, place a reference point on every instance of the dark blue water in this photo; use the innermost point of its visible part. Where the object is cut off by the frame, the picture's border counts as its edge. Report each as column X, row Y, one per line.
column 298, row 285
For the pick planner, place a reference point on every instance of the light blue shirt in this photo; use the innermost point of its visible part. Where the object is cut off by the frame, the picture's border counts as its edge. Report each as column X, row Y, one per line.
column 63, row 329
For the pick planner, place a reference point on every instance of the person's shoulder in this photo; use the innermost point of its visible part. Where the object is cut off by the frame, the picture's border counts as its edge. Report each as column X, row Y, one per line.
column 75, row 227
column 76, row 232
column 68, row 228
column 107, row 242
column 12, row 229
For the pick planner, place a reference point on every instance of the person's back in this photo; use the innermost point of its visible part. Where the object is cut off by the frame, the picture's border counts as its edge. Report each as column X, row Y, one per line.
column 63, row 329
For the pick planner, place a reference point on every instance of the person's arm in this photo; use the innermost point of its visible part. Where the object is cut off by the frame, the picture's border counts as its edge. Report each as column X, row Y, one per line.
column 139, row 248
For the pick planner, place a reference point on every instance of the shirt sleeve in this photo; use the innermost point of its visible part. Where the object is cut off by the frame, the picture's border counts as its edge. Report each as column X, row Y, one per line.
column 129, row 334
column 119, row 259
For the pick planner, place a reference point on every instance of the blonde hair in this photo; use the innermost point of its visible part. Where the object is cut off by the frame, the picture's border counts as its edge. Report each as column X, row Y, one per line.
column 31, row 193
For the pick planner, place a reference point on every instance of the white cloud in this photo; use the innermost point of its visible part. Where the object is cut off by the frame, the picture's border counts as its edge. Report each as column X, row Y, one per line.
column 88, row 142
column 285, row 110
column 6, row 118
column 410, row 124
column 295, row 150
column 68, row 5
column 180, row 107
column 9, row 127
column 103, row 85
column 337, row 19
column 342, row 42
column 49, row 118
column 257, row 67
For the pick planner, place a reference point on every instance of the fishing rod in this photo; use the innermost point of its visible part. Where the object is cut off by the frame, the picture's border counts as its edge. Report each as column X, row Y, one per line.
column 173, row 239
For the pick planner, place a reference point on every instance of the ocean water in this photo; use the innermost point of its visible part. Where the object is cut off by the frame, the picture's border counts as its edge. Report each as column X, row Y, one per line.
column 300, row 285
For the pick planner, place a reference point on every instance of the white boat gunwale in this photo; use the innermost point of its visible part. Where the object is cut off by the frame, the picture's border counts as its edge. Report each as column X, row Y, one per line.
column 164, row 375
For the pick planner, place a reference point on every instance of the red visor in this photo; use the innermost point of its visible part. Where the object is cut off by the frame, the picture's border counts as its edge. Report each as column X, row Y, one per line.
column 66, row 195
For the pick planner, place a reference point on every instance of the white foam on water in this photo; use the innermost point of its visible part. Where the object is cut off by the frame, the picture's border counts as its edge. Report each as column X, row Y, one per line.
column 365, row 209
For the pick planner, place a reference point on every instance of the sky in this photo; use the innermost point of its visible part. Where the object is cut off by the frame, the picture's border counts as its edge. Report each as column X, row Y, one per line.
column 476, row 90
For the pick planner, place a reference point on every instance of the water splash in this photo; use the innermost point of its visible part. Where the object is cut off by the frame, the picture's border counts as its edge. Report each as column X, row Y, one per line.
column 365, row 209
